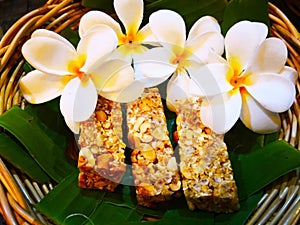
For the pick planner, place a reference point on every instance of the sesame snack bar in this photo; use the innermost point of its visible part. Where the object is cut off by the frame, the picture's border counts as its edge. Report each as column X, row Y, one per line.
column 154, row 167
column 101, row 157
column 206, row 172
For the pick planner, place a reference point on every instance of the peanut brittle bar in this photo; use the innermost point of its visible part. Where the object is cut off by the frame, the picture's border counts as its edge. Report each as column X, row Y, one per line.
column 101, row 157
column 206, row 172
column 154, row 167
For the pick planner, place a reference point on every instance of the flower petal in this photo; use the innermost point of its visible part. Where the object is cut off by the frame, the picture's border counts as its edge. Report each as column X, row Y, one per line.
column 205, row 43
column 38, row 87
column 289, row 73
column 194, row 89
column 153, row 67
column 74, row 126
column 150, row 81
column 213, row 57
column 210, row 78
column 272, row 91
column 147, row 35
column 51, row 34
column 127, row 94
column 93, row 18
column 97, row 43
column 112, row 76
column 49, row 55
column 122, row 53
column 203, row 25
column 221, row 112
column 243, row 38
column 130, row 12
column 270, row 57
column 177, row 89
column 257, row 118
column 78, row 100
column 169, row 29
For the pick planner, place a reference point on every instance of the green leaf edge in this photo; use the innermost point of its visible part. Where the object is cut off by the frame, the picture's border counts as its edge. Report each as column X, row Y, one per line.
column 34, row 139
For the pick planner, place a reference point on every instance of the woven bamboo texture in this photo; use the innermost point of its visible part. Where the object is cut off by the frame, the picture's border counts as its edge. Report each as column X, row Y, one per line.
column 281, row 201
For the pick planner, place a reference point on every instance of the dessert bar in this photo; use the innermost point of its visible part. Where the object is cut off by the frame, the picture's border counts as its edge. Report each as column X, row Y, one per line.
column 101, row 157
column 154, row 166
column 207, row 177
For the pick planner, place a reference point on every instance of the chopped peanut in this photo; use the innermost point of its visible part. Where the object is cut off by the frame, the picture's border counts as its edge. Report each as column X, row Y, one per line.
column 154, row 168
column 207, row 176
column 101, row 161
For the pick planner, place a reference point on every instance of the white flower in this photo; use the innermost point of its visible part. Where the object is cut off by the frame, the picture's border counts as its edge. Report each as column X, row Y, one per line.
column 258, row 84
column 179, row 55
column 78, row 75
column 130, row 13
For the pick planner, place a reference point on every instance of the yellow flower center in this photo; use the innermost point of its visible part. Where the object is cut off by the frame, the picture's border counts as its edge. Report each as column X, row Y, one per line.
column 237, row 81
column 180, row 57
column 127, row 39
column 235, row 76
column 75, row 66
column 131, row 42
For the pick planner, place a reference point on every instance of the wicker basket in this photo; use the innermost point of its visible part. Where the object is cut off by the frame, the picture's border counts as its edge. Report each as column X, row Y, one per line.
column 18, row 194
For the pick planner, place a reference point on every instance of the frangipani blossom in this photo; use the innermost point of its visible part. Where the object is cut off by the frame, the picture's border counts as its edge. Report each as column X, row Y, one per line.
column 78, row 75
column 259, row 85
column 179, row 55
column 130, row 13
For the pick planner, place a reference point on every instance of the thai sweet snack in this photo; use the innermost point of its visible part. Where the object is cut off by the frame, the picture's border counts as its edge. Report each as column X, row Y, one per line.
column 101, row 157
column 154, row 166
column 207, row 177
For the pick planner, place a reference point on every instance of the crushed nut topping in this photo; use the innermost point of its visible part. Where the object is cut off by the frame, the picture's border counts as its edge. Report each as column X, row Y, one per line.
column 101, row 157
column 207, row 177
column 154, row 167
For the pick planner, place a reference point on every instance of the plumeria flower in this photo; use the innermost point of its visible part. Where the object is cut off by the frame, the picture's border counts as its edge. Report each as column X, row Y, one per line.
column 179, row 55
column 78, row 75
column 258, row 84
column 130, row 13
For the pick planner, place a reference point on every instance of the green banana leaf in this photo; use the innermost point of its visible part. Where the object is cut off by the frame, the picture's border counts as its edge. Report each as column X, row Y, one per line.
column 253, row 10
column 274, row 160
column 15, row 153
column 240, row 217
column 43, row 142
column 191, row 10
column 104, row 5
column 62, row 202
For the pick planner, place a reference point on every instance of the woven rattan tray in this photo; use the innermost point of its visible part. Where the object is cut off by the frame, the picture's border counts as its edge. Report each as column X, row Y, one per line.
column 18, row 194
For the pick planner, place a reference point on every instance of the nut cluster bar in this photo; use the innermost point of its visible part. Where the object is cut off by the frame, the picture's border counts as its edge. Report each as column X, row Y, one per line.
column 101, row 157
column 206, row 172
column 154, row 167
